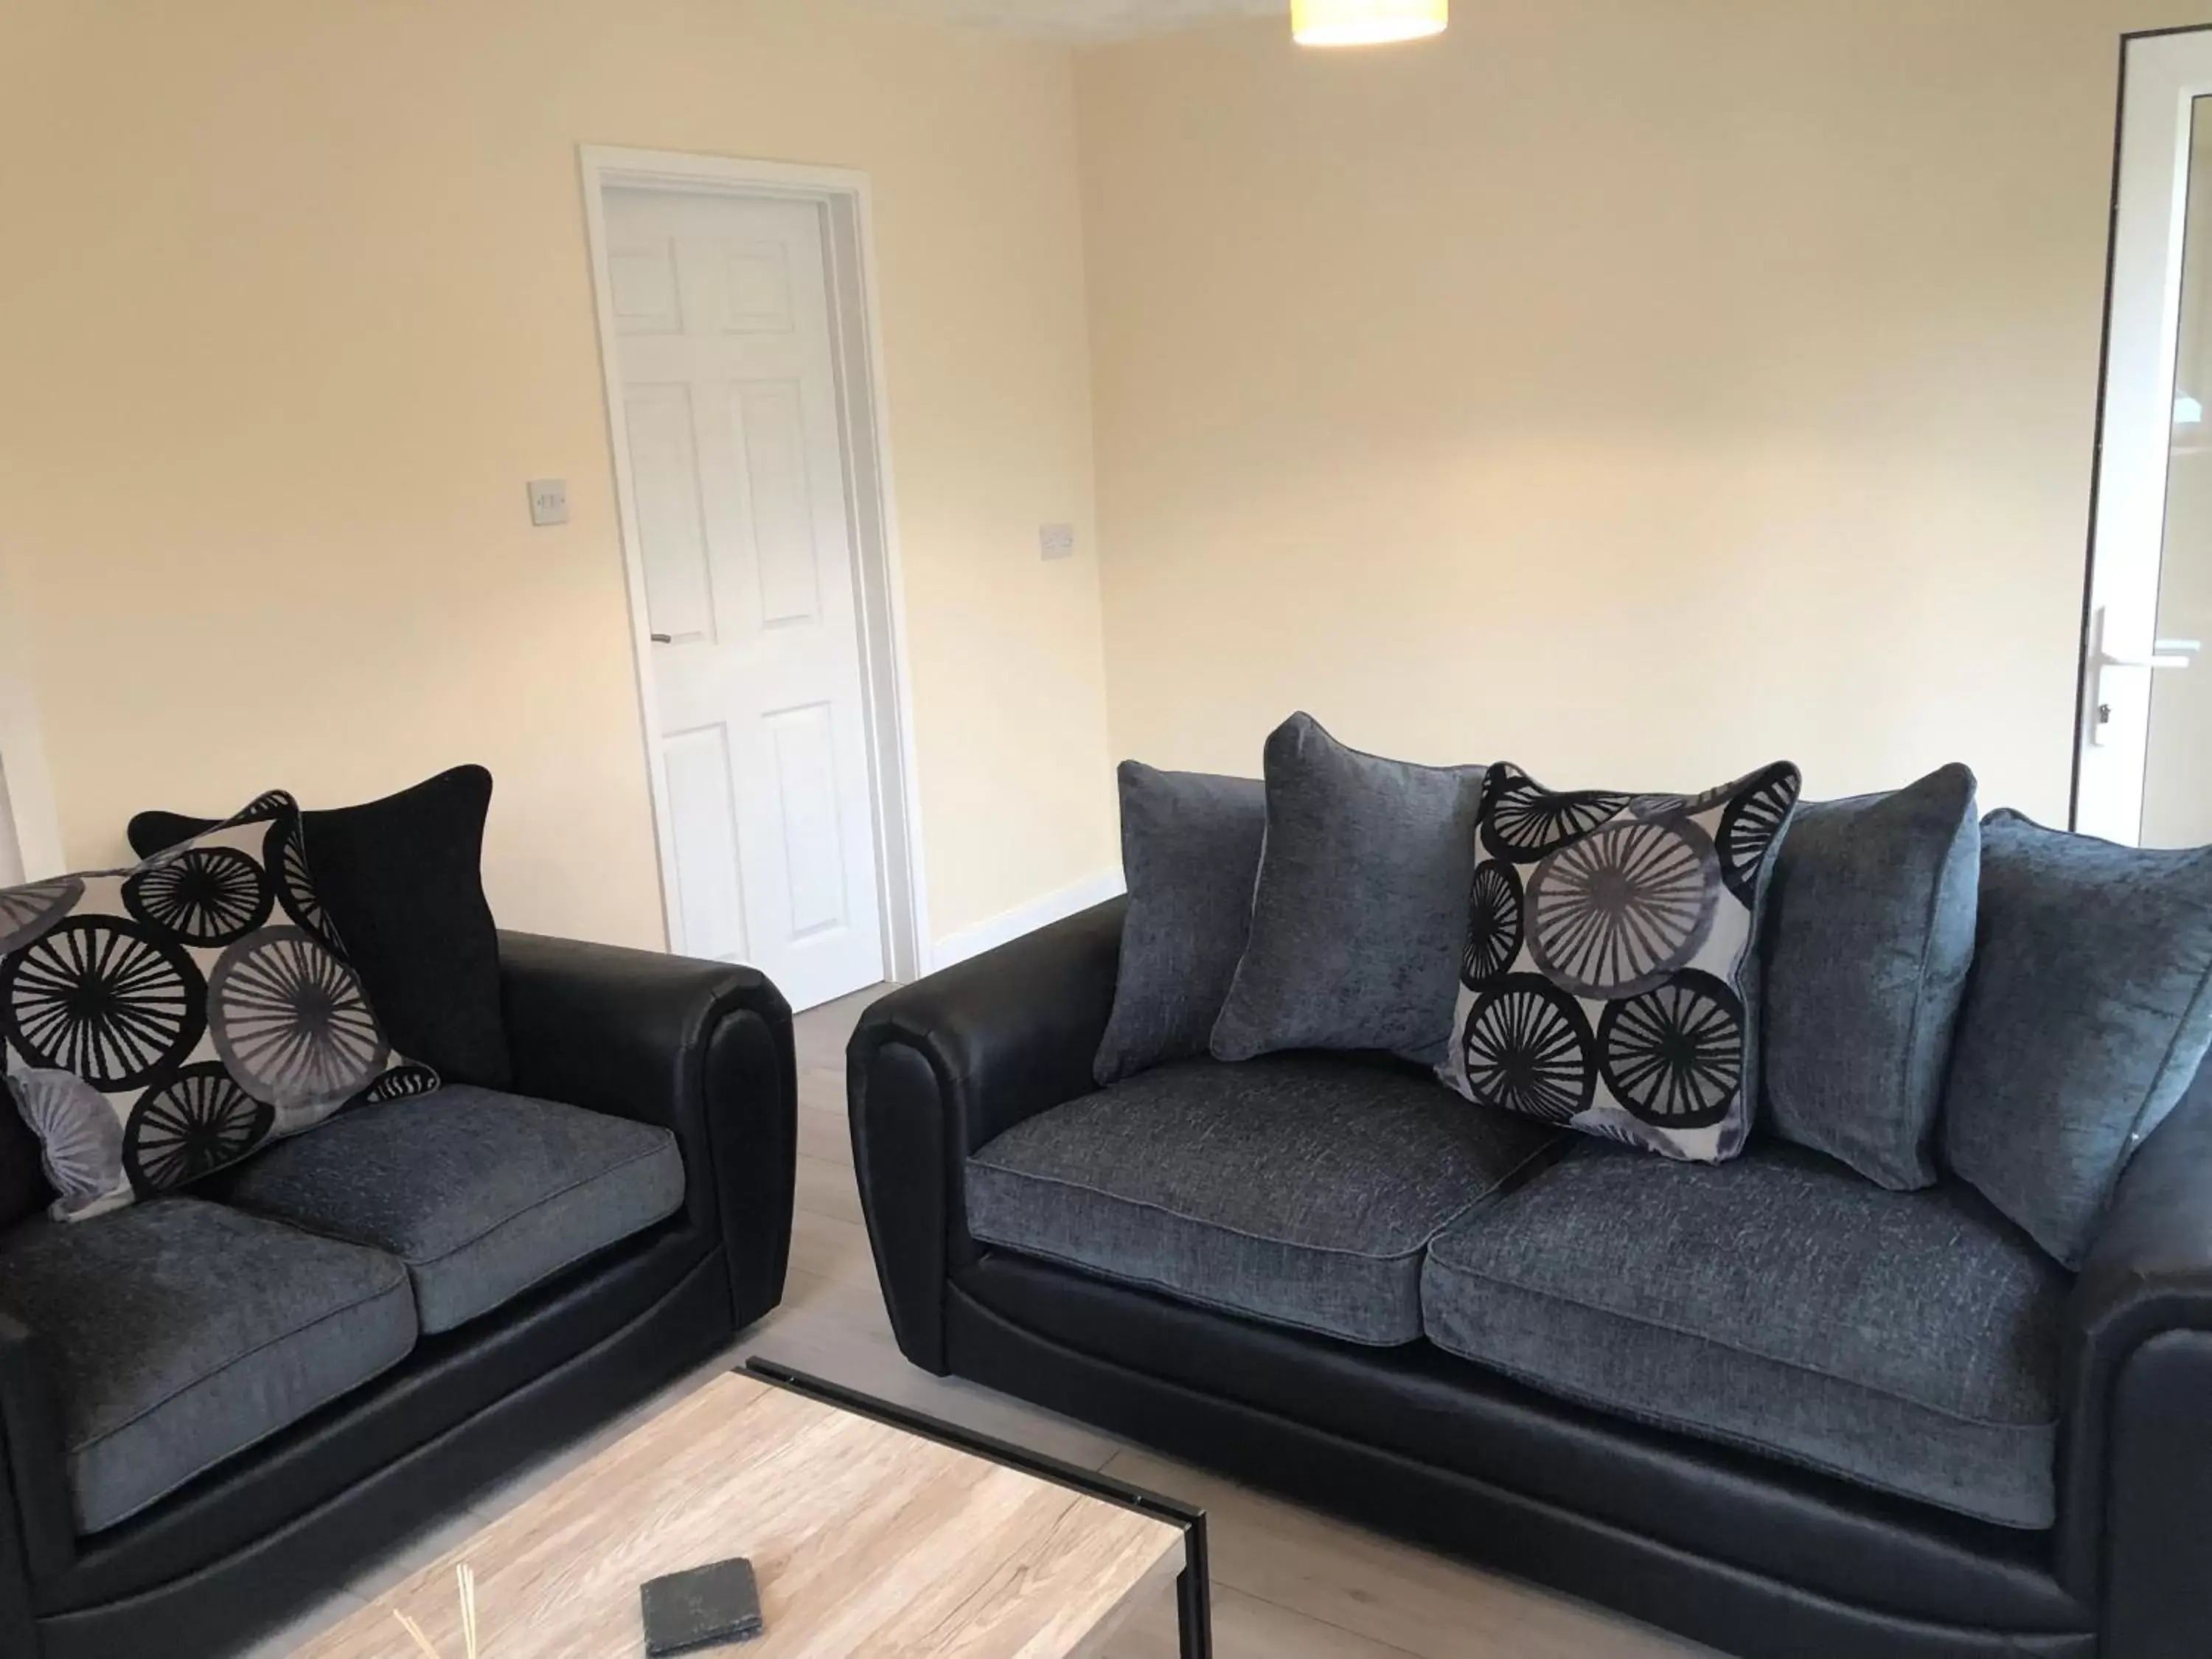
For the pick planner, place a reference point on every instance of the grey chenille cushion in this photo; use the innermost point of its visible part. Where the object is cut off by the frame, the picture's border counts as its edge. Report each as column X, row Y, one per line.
column 1869, row 933
column 1298, row 1189
column 1907, row 1341
column 482, row 1194
column 181, row 1333
column 1190, row 851
column 2087, row 1013
column 1361, row 906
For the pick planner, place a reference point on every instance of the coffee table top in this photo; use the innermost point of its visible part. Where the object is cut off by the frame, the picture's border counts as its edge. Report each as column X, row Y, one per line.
column 867, row 1539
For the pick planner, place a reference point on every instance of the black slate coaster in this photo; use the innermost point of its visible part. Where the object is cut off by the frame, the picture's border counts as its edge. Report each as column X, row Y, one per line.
column 705, row 1608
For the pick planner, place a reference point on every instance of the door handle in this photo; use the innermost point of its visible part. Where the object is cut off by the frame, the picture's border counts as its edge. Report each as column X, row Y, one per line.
column 2170, row 653
column 2165, row 653
column 2112, row 699
column 664, row 639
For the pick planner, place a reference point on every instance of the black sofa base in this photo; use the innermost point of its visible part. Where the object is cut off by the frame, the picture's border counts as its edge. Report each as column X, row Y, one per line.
column 289, row 1569
column 1742, row 1611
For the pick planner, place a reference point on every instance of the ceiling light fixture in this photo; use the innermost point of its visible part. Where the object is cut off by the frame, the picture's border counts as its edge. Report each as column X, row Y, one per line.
column 1365, row 23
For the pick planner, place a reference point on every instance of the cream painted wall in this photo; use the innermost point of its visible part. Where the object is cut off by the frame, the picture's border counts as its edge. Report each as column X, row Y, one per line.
column 1639, row 392
column 297, row 299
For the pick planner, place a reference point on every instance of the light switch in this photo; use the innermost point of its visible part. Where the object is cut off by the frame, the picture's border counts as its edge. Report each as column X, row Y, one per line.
column 1056, row 541
column 549, row 501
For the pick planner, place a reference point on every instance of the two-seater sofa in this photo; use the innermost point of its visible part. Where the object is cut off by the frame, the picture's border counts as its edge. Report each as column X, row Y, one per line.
column 1767, row 1404
column 216, row 1407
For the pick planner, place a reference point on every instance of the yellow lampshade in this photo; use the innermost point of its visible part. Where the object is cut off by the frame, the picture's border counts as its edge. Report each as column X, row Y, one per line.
column 1365, row 23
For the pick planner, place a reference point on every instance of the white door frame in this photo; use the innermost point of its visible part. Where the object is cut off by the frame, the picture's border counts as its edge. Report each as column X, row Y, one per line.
column 2162, row 73
column 856, row 342
column 26, row 791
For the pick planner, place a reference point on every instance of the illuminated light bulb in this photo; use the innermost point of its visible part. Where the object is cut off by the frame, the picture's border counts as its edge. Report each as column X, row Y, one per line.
column 1365, row 23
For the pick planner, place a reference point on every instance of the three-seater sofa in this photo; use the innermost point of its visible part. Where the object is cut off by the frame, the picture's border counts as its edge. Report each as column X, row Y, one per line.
column 216, row 1407
column 1766, row 1403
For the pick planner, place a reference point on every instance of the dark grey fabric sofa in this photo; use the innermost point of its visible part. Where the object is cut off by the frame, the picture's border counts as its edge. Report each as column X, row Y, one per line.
column 216, row 1406
column 1766, row 1403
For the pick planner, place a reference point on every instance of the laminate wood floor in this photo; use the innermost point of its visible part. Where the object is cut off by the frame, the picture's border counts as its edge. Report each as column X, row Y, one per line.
column 1288, row 1583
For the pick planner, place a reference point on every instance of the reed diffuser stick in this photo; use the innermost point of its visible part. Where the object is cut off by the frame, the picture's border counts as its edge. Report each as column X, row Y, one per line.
column 464, row 1578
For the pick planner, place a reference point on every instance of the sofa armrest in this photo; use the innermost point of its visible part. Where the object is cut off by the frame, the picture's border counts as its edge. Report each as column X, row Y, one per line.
column 702, row 1048
column 2135, row 1471
column 937, row 1068
column 37, row 1529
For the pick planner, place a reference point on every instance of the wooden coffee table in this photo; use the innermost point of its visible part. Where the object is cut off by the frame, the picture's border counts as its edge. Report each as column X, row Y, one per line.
column 875, row 1532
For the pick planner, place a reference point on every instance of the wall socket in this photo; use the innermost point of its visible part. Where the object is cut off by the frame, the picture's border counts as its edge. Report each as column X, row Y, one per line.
column 1056, row 541
column 549, row 501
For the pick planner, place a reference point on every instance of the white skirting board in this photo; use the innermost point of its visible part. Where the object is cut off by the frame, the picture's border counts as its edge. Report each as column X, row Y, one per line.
column 1025, row 919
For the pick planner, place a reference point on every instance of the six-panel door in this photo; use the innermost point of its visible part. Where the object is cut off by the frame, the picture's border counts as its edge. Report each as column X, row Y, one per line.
column 739, row 479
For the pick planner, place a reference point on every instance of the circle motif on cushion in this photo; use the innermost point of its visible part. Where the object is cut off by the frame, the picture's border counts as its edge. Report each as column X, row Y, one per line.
column 1749, row 826
column 27, row 912
column 80, row 1137
column 1674, row 1056
column 198, row 1122
column 291, row 1022
column 286, row 852
column 204, row 895
column 1523, row 821
column 106, row 997
column 400, row 1083
column 1493, row 923
column 1613, row 914
column 1526, row 1047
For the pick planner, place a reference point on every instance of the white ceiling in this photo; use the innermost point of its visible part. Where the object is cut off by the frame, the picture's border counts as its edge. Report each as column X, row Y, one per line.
column 1095, row 20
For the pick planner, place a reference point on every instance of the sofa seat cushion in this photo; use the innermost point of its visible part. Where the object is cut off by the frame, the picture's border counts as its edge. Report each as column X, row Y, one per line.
column 1300, row 1189
column 1908, row 1341
column 482, row 1194
column 181, row 1333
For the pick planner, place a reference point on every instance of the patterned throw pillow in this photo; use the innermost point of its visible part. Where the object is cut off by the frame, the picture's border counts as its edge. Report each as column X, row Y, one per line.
column 162, row 1022
column 1606, row 981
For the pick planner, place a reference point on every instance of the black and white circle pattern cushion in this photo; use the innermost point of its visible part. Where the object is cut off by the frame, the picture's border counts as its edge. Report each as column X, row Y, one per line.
column 160, row 1023
column 1609, row 958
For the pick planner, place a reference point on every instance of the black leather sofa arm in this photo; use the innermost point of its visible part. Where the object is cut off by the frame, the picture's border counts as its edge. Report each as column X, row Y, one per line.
column 2134, row 1492
column 38, row 1531
column 938, row 1067
column 702, row 1048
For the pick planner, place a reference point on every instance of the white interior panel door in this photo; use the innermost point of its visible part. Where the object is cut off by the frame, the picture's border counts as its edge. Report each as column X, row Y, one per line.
column 737, row 477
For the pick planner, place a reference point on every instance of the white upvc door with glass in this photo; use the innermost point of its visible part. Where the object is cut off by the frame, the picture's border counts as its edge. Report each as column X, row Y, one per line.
column 2145, row 771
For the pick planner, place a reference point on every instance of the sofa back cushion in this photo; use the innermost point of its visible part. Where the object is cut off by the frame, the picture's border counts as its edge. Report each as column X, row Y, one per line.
column 1868, row 934
column 1609, row 981
column 2088, row 1014
column 1360, row 908
column 402, row 882
column 1190, row 853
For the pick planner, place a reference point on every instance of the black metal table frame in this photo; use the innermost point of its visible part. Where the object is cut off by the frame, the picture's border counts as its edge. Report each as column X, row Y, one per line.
column 1193, row 1595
